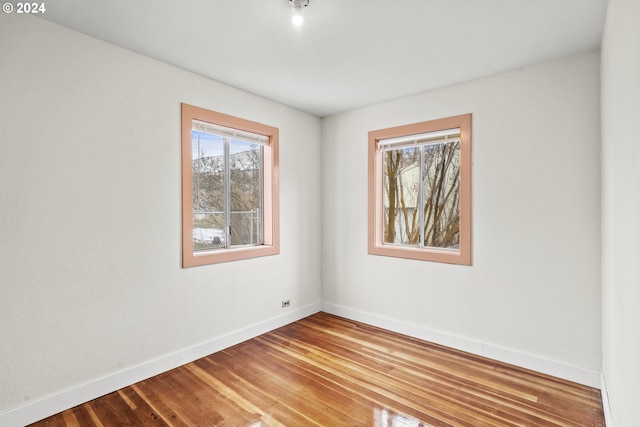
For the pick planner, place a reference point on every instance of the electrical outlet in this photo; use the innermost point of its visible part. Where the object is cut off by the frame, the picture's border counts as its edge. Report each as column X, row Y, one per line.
column 286, row 303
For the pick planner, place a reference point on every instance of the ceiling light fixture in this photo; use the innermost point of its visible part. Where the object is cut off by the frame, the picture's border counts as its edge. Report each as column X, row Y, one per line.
column 297, row 17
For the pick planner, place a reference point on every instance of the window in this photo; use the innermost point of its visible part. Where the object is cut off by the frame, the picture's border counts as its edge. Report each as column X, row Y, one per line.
column 420, row 191
column 230, row 194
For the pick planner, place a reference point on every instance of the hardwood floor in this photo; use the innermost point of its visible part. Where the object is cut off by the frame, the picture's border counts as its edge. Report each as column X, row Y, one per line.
column 328, row 371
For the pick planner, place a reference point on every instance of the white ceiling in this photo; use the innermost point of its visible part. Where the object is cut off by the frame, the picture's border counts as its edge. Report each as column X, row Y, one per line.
column 348, row 53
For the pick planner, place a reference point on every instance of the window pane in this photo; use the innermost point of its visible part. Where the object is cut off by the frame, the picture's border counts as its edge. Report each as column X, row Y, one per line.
column 441, row 188
column 401, row 196
column 245, row 193
column 208, row 191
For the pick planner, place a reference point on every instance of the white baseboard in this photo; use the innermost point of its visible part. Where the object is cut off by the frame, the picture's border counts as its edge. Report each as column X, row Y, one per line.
column 43, row 408
column 535, row 363
column 608, row 421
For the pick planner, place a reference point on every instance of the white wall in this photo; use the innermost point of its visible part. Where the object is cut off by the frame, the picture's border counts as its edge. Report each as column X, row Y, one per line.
column 90, row 276
column 534, row 286
column 621, row 209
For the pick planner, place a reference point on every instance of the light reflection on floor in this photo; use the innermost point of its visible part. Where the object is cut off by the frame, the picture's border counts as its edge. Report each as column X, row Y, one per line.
column 384, row 418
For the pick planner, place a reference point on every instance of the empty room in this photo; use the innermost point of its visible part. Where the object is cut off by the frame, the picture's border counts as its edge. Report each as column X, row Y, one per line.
column 320, row 213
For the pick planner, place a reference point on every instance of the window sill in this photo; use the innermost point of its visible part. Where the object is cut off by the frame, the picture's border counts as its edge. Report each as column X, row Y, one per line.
column 447, row 256
column 226, row 255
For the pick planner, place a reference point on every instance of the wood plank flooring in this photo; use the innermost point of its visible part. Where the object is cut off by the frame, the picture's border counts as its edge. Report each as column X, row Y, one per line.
column 332, row 372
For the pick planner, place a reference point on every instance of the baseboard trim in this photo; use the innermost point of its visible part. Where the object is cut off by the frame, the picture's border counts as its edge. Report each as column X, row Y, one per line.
column 43, row 408
column 608, row 421
column 528, row 361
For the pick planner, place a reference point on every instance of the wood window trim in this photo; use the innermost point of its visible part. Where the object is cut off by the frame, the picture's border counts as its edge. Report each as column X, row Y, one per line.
column 375, row 193
column 271, row 188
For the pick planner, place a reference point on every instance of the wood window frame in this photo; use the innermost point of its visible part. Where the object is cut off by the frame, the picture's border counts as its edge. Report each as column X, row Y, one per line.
column 376, row 246
column 271, row 189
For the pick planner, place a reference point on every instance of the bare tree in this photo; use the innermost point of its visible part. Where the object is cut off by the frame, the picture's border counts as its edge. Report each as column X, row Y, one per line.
column 442, row 195
column 439, row 176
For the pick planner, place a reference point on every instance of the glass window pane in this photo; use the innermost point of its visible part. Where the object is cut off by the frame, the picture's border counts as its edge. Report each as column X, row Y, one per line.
column 401, row 195
column 441, row 188
column 208, row 191
column 245, row 163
